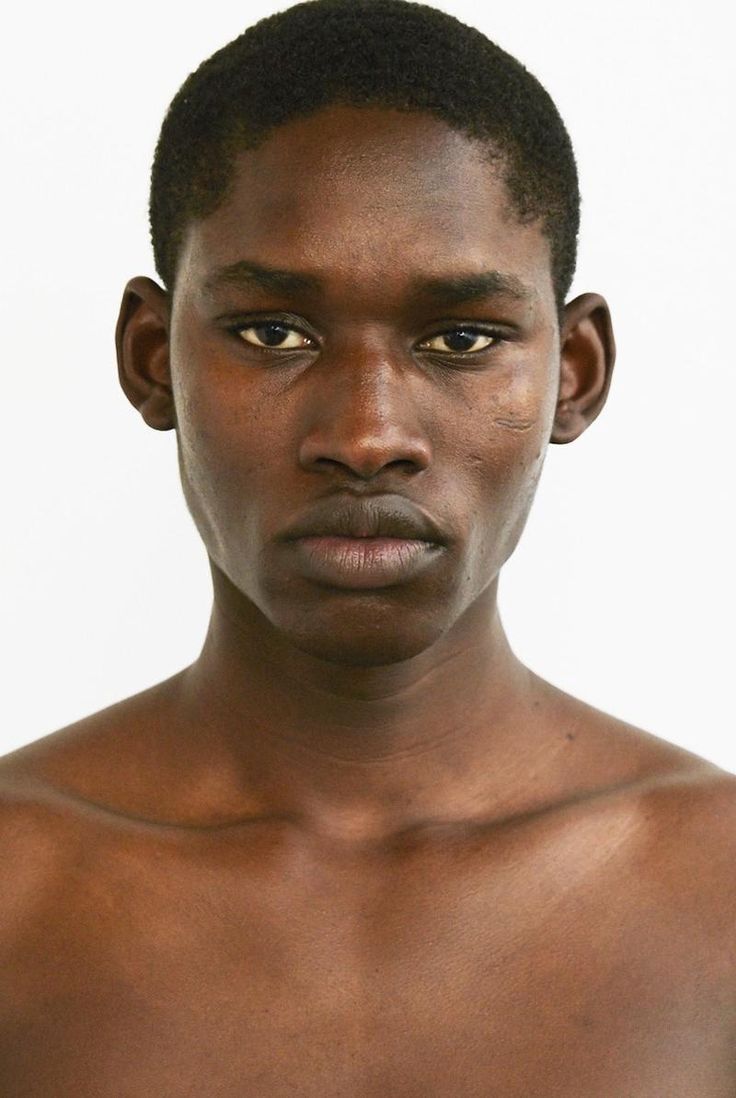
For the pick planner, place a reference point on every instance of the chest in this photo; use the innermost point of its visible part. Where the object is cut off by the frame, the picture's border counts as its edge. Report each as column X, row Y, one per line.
column 421, row 976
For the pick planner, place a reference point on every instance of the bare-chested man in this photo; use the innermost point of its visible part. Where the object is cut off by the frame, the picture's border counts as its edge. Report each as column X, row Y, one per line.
column 357, row 848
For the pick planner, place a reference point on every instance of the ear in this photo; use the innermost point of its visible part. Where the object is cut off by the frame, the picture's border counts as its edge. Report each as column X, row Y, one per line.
column 587, row 354
column 142, row 341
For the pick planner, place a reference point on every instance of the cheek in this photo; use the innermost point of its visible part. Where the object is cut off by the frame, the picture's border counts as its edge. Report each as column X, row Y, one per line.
column 510, row 433
column 220, row 418
column 512, row 426
column 222, row 442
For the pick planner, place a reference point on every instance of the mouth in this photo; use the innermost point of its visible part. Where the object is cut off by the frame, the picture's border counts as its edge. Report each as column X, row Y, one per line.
column 362, row 543
column 361, row 563
column 372, row 517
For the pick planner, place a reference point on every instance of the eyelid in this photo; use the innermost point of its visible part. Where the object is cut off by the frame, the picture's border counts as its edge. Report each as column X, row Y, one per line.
column 493, row 331
column 238, row 322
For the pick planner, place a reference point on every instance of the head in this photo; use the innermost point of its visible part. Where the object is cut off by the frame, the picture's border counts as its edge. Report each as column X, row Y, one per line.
column 364, row 215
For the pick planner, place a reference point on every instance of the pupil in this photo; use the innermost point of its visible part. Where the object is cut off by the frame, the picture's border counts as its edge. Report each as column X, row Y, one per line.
column 460, row 340
column 271, row 334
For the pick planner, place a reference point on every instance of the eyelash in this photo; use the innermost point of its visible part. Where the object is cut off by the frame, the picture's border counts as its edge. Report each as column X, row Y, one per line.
column 495, row 334
column 468, row 329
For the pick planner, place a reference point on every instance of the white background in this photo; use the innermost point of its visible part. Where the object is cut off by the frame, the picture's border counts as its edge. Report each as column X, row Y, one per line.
column 621, row 591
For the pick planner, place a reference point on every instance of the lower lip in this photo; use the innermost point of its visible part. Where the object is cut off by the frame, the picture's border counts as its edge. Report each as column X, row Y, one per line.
column 364, row 562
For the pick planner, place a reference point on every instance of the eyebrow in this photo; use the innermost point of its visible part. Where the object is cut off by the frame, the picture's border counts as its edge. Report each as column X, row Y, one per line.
column 451, row 290
column 457, row 289
column 246, row 273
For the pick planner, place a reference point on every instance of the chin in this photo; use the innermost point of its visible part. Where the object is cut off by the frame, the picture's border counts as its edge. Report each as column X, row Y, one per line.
column 375, row 637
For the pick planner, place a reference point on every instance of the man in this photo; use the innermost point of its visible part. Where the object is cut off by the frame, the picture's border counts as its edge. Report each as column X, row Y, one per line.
column 357, row 847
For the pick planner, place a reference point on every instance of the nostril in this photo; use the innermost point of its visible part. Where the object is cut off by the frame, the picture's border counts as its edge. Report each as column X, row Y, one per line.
column 335, row 445
column 366, row 467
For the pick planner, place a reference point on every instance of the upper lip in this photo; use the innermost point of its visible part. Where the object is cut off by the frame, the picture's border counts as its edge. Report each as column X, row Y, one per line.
column 387, row 516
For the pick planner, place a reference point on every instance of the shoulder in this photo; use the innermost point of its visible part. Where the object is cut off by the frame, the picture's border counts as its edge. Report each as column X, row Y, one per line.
column 69, row 807
column 685, row 819
column 39, row 846
column 674, row 812
column 57, row 798
column 676, row 818
column 112, row 758
column 676, row 886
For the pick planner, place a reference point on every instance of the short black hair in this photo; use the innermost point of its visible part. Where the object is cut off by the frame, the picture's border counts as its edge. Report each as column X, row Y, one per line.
column 391, row 53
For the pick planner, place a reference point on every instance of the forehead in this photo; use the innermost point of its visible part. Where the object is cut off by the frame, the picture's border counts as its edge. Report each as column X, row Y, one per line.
column 369, row 196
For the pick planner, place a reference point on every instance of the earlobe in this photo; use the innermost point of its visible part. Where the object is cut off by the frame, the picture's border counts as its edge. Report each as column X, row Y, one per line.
column 142, row 342
column 587, row 356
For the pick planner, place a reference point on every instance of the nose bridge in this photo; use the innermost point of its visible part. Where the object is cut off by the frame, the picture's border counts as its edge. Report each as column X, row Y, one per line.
column 362, row 409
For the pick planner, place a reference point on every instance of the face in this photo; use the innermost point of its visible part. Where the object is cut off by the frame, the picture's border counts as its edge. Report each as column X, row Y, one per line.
column 365, row 330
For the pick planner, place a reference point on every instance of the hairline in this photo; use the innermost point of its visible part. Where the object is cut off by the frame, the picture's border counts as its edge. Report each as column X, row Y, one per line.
column 242, row 139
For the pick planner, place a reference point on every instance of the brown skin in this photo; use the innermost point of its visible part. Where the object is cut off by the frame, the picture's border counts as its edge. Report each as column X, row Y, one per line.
column 357, row 847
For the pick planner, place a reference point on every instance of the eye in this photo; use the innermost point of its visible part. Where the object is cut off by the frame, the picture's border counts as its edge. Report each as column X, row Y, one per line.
column 460, row 341
column 274, row 335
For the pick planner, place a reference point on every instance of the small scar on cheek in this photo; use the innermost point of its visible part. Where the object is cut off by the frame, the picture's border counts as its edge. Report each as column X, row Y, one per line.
column 515, row 424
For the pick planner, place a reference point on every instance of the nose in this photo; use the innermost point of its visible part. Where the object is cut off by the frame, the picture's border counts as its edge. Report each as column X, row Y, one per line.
column 362, row 415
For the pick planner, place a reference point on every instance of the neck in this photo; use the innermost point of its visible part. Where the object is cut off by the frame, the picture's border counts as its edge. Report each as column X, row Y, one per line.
column 360, row 750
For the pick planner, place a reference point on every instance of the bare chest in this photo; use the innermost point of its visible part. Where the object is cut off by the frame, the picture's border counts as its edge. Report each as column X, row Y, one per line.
column 425, row 976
